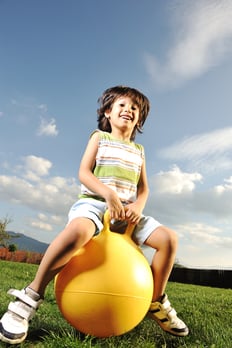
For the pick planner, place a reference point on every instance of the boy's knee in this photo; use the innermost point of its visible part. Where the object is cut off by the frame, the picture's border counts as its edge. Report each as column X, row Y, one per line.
column 174, row 238
column 173, row 235
column 79, row 231
column 170, row 238
column 163, row 238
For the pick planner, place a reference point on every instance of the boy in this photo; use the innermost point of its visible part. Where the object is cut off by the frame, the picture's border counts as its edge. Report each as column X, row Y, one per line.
column 113, row 176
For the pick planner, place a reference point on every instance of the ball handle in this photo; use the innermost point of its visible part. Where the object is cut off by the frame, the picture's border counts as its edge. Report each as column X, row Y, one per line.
column 106, row 222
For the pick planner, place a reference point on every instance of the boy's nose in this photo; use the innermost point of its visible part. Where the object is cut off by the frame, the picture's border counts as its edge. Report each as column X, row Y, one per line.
column 128, row 108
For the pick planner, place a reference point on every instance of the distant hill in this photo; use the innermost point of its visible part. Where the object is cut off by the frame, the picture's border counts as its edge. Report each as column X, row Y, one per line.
column 27, row 243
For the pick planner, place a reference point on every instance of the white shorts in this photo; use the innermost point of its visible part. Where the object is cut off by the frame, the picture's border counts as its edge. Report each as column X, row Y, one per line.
column 94, row 210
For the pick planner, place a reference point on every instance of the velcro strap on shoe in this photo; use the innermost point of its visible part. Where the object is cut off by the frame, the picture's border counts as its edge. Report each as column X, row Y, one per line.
column 24, row 298
column 172, row 314
column 21, row 309
column 166, row 305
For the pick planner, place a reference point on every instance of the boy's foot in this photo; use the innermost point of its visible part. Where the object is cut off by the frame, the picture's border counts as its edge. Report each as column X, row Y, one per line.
column 14, row 323
column 166, row 316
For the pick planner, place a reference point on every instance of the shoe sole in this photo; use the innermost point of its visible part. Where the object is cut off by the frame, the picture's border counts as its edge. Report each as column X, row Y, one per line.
column 12, row 341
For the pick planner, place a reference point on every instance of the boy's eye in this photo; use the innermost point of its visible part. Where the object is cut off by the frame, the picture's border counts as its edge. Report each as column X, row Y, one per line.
column 134, row 107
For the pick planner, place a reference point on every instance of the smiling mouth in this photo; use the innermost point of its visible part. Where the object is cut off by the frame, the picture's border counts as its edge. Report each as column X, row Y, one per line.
column 126, row 117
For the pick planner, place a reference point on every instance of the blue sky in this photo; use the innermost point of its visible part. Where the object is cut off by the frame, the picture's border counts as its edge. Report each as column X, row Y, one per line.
column 57, row 57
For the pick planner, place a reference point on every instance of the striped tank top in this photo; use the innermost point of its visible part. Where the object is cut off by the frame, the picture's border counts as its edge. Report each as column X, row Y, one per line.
column 118, row 165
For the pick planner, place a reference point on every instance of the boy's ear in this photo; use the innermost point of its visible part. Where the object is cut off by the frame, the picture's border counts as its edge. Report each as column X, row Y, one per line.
column 107, row 113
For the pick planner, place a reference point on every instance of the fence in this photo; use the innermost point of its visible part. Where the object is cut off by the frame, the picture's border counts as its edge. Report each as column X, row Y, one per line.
column 214, row 278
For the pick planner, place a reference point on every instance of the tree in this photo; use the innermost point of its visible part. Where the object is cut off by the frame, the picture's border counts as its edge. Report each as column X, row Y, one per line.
column 4, row 235
column 12, row 248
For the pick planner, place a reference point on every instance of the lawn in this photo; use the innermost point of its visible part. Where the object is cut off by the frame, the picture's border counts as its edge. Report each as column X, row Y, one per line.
column 207, row 311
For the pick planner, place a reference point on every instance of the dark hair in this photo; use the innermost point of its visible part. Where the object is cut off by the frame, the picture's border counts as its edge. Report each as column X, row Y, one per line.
column 108, row 98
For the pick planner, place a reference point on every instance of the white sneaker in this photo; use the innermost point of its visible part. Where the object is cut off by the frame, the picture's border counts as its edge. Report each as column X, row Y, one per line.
column 14, row 323
column 166, row 317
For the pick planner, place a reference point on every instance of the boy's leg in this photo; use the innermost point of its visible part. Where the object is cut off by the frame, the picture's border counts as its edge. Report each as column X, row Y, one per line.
column 76, row 234
column 164, row 240
column 14, row 323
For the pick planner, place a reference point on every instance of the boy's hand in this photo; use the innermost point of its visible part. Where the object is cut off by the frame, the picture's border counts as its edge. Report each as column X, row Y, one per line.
column 115, row 207
column 133, row 213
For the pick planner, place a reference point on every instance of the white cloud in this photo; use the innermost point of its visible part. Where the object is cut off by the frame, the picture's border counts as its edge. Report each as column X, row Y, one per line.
column 178, row 196
column 175, row 181
column 172, row 195
column 45, row 222
column 205, row 233
column 35, row 188
column 42, row 225
column 1, row 114
column 47, row 127
column 205, row 244
column 227, row 186
column 36, row 167
column 207, row 152
column 43, row 195
column 203, row 38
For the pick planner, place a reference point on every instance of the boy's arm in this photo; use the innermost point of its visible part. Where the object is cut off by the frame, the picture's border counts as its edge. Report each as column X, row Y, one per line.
column 142, row 189
column 87, row 178
column 135, row 209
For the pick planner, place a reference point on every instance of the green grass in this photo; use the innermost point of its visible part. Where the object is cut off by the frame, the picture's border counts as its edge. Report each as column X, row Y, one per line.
column 207, row 312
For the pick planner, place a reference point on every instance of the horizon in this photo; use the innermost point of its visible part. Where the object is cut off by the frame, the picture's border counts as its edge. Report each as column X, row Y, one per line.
column 147, row 256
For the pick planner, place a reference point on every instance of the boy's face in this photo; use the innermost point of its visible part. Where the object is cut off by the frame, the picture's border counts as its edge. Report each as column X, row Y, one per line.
column 124, row 113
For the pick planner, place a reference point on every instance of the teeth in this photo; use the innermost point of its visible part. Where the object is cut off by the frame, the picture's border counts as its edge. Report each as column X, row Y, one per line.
column 127, row 117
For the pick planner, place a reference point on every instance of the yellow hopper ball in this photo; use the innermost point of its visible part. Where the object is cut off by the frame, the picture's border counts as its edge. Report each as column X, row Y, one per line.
column 106, row 288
